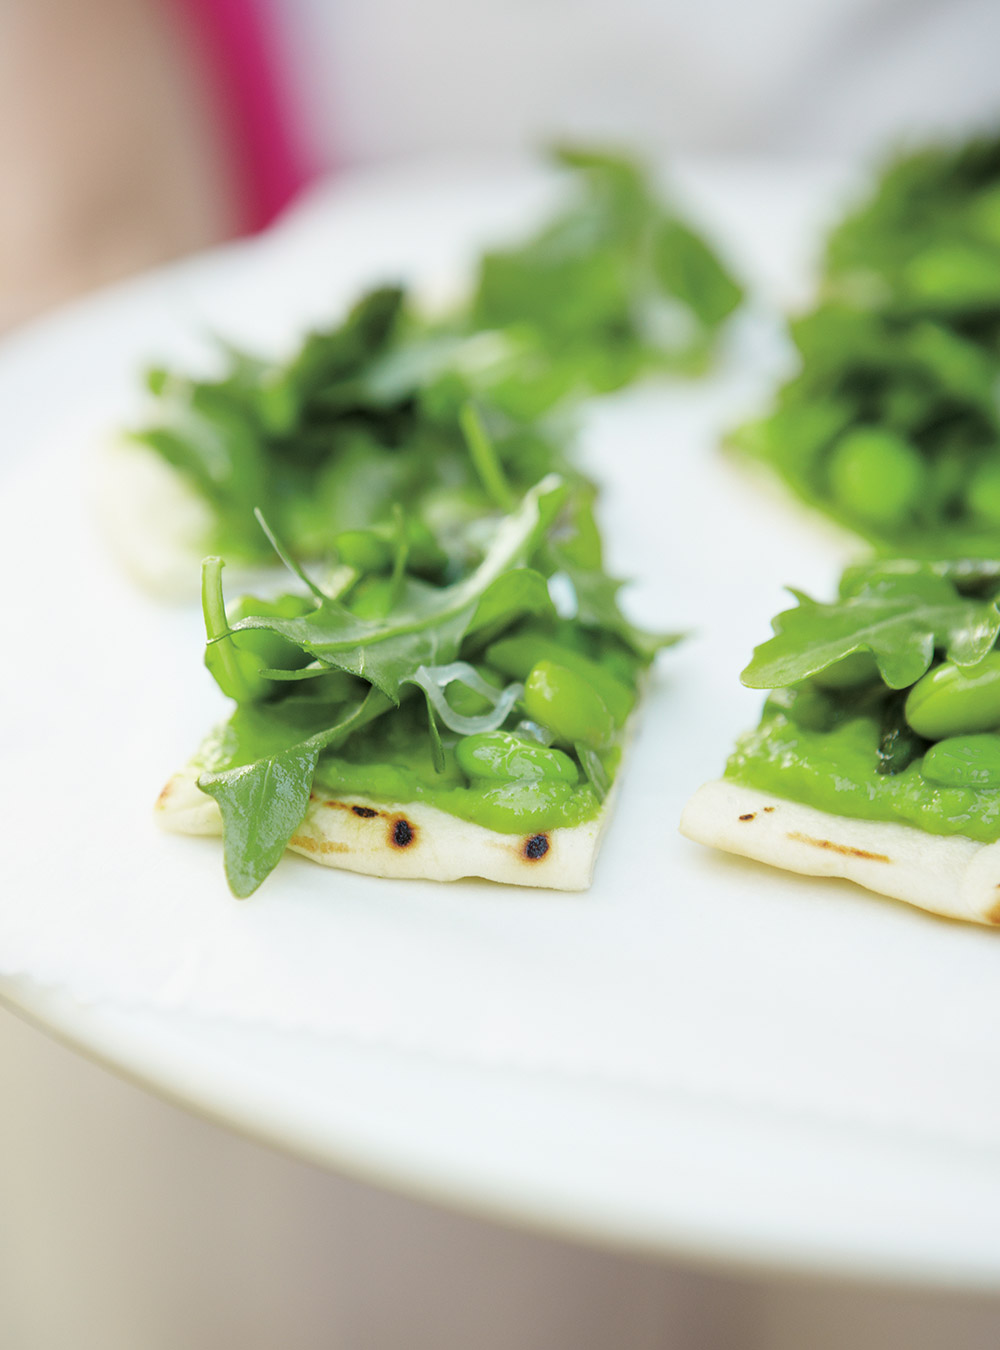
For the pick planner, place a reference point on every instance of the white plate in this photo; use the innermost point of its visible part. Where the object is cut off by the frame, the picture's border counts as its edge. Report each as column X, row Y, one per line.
column 699, row 1056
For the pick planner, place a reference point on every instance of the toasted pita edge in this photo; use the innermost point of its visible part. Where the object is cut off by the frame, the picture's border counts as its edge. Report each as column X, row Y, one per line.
column 157, row 527
column 411, row 840
column 945, row 874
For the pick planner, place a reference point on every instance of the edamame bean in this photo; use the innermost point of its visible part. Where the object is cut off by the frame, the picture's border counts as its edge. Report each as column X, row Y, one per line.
column 516, row 656
column 964, row 761
column 506, row 757
column 876, row 474
column 951, row 700
column 849, row 672
column 564, row 702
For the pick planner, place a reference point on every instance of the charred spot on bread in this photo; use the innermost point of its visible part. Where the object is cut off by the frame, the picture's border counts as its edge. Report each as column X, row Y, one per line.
column 310, row 845
column 536, row 847
column 847, row 849
column 365, row 812
column 402, row 833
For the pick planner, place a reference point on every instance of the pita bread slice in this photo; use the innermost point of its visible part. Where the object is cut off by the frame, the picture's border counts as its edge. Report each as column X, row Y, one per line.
column 156, row 525
column 945, row 874
column 411, row 840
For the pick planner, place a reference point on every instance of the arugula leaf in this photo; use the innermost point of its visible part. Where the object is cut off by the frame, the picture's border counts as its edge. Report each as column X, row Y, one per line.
column 688, row 268
column 329, row 366
column 259, row 767
column 484, row 457
column 928, row 235
column 263, row 802
column 616, row 285
column 521, row 591
column 376, row 409
column 429, row 624
column 597, row 607
column 244, row 665
column 268, row 432
column 262, row 805
column 900, row 617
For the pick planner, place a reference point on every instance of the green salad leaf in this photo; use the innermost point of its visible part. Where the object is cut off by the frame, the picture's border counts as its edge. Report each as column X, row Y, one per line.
column 332, row 438
column 310, row 671
column 900, row 615
column 614, row 286
column 597, row 607
column 374, row 410
column 428, row 624
column 422, row 469
column 263, row 801
column 927, row 239
column 891, row 424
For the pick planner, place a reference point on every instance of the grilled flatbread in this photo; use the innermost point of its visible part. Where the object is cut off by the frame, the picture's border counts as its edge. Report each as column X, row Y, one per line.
column 945, row 874
column 157, row 526
column 411, row 840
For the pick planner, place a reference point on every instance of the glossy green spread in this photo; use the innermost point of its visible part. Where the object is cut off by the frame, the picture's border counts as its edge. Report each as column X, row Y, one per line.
column 808, row 750
column 392, row 762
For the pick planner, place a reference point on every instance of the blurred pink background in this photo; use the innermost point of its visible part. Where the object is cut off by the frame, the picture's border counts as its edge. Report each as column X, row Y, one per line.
column 132, row 131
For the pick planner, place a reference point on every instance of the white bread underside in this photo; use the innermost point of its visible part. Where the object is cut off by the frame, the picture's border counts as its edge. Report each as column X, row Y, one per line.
column 945, row 874
column 360, row 834
column 157, row 526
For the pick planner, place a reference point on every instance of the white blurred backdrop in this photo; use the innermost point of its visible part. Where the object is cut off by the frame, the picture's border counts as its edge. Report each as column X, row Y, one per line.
column 378, row 79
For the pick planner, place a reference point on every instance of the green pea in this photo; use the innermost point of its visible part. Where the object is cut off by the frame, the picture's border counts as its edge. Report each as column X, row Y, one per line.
column 952, row 700
column 983, row 492
column 516, row 656
column 964, row 761
column 877, row 475
column 849, row 672
column 563, row 701
column 506, row 757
